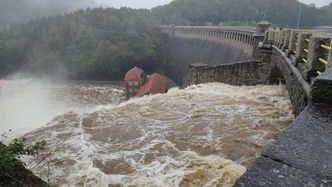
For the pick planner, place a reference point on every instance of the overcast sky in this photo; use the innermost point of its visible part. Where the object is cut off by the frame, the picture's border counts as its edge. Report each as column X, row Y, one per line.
column 134, row 3
column 319, row 3
column 153, row 3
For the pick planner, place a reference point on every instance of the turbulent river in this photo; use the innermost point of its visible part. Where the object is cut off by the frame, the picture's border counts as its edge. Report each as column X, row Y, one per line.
column 204, row 135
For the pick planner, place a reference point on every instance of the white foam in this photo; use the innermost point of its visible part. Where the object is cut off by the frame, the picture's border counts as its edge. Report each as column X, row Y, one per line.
column 167, row 139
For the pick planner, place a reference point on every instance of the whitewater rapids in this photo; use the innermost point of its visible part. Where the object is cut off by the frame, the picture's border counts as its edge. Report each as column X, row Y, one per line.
column 204, row 135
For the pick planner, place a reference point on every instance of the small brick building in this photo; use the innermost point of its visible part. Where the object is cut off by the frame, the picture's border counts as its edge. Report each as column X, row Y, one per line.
column 134, row 78
column 138, row 84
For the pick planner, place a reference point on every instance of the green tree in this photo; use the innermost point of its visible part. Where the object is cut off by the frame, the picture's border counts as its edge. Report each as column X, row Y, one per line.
column 9, row 159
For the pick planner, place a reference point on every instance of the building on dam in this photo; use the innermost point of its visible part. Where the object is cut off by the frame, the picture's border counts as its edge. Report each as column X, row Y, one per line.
column 139, row 84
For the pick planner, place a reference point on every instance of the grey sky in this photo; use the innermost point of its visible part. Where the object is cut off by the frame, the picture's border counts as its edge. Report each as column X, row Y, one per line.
column 134, row 3
column 318, row 3
column 153, row 3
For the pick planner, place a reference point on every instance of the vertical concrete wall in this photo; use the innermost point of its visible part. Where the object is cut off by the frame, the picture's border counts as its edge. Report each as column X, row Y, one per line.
column 298, row 88
column 272, row 67
column 250, row 72
column 302, row 154
column 208, row 45
column 181, row 52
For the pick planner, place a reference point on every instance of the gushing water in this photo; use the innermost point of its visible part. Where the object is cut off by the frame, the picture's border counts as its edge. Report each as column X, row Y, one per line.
column 203, row 135
column 28, row 104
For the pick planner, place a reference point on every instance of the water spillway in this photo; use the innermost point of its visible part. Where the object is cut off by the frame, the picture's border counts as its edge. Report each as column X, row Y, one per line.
column 202, row 135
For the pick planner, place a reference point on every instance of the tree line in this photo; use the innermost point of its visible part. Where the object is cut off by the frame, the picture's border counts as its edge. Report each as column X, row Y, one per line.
column 281, row 13
column 87, row 44
column 104, row 43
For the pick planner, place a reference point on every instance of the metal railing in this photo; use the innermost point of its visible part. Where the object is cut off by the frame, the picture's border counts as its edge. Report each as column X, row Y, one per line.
column 242, row 34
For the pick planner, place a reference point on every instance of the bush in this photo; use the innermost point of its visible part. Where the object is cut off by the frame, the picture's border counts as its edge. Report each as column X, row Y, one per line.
column 12, row 169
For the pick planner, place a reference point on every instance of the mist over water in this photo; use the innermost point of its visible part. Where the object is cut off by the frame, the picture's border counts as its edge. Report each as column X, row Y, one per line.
column 26, row 104
column 202, row 135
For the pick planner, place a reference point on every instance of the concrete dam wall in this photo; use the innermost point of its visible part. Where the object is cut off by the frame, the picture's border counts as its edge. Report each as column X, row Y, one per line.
column 181, row 52
column 301, row 156
column 212, row 46
column 270, row 67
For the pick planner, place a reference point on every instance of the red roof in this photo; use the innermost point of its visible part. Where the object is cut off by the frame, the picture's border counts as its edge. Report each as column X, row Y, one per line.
column 155, row 84
column 135, row 74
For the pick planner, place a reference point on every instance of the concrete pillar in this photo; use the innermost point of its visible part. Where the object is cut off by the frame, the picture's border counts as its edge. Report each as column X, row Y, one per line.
column 329, row 59
column 262, row 27
column 286, row 40
column 317, row 56
column 271, row 35
column 255, row 41
column 276, row 42
column 281, row 38
column 275, row 37
column 301, row 45
column 292, row 42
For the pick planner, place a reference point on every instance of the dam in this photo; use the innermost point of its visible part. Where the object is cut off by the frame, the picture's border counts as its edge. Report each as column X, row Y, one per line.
column 301, row 60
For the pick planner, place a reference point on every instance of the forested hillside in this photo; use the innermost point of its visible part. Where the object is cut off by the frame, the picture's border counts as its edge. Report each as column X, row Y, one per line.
column 105, row 43
column 278, row 12
column 91, row 44
column 328, row 9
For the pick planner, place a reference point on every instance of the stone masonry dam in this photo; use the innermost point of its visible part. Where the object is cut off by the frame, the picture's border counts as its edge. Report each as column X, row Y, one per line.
column 302, row 155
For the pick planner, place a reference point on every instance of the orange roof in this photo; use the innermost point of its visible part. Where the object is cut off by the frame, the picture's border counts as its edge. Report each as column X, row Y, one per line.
column 155, row 84
column 135, row 74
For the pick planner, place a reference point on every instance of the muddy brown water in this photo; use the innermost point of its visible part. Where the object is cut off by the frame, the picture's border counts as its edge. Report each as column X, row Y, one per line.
column 204, row 135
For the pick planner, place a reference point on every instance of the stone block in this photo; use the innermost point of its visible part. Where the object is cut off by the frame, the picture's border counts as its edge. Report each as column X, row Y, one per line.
column 316, row 52
column 307, row 143
column 267, row 172
column 321, row 89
